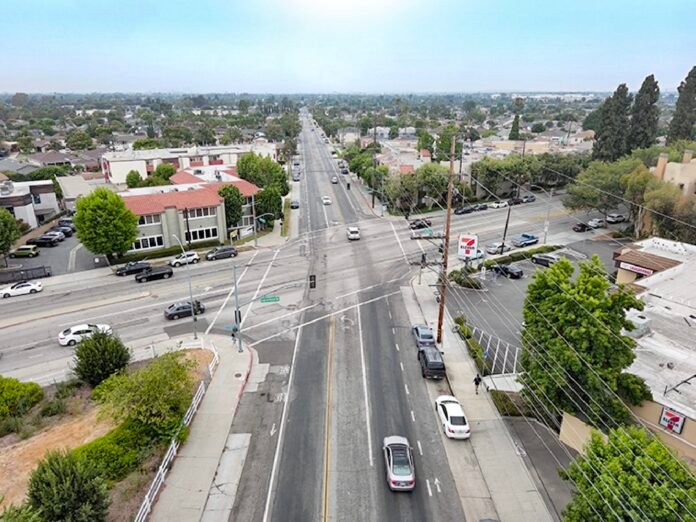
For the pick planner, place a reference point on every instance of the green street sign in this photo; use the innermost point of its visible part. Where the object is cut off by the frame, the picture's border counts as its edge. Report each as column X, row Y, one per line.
column 270, row 299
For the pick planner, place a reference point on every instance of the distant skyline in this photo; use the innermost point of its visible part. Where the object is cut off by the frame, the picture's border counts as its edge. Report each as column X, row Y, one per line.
column 343, row 46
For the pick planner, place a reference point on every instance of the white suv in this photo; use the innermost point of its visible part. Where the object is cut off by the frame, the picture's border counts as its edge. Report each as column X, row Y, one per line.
column 353, row 233
column 185, row 259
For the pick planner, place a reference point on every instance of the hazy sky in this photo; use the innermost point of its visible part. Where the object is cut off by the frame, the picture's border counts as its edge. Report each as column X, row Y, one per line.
column 343, row 45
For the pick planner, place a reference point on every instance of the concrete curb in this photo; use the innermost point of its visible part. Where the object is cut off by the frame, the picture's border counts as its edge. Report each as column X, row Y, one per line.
column 244, row 381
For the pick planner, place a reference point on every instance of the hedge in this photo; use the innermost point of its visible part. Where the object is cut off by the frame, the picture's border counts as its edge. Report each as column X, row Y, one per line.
column 17, row 398
column 510, row 404
column 165, row 252
column 520, row 256
column 461, row 278
column 476, row 352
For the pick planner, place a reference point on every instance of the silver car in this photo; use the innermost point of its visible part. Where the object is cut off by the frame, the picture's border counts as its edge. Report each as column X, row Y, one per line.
column 399, row 463
column 423, row 335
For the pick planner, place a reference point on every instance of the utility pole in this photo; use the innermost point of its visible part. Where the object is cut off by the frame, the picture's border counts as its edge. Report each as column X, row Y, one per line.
column 507, row 222
column 253, row 216
column 237, row 311
column 188, row 276
column 443, row 272
column 374, row 153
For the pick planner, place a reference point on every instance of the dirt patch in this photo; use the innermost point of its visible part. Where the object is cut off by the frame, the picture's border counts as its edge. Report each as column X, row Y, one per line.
column 202, row 358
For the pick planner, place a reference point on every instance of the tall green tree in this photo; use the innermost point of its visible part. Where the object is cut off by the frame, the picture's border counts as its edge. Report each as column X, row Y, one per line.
column 147, row 144
column 432, row 181
column 233, row 204
column 515, row 130
column 593, row 120
column 444, row 143
column 426, row 141
column 682, row 125
column 104, row 224
column 269, row 201
column 78, row 140
column 164, row 171
column 133, row 179
column 632, row 475
column 611, row 138
column 9, row 232
column 204, row 136
column 573, row 345
column 644, row 115
column 635, row 185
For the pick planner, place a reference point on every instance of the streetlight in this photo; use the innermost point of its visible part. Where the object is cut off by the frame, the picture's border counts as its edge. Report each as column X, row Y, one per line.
column 548, row 210
column 188, row 274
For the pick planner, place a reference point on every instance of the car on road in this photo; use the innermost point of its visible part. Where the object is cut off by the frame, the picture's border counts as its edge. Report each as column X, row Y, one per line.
column 479, row 207
column 423, row 335
column 326, row 200
column 43, row 241
column 529, row 198
column 222, row 252
column 399, row 463
column 158, row 272
column 615, row 218
column 545, row 259
column 452, row 417
column 185, row 258
column 133, row 267
column 498, row 248
column 499, row 204
column 509, row 271
column 334, row 179
column 432, row 365
column 66, row 231
column 464, row 210
column 525, row 239
column 515, row 201
column 21, row 288
column 58, row 236
column 294, row 204
column 581, row 227
column 353, row 233
column 73, row 335
column 418, row 224
column 178, row 310
column 597, row 223
column 25, row 251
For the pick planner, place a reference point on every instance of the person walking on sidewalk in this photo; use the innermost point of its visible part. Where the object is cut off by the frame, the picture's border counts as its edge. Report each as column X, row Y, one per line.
column 477, row 381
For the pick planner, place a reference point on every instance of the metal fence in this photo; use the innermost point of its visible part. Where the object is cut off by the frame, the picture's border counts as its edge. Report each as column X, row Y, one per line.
column 14, row 275
column 502, row 356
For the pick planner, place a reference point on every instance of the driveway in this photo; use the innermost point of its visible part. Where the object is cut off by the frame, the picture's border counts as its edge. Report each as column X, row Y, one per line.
column 67, row 257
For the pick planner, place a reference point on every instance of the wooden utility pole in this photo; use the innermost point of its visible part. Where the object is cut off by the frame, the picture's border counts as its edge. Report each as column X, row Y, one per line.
column 374, row 154
column 448, row 220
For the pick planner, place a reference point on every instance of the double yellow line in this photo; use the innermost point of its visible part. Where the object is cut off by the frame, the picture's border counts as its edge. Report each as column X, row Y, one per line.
column 327, row 420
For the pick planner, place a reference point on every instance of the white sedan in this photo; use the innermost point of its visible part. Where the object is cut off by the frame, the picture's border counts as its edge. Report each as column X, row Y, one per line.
column 73, row 335
column 21, row 288
column 326, row 200
column 452, row 417
column 499, row 204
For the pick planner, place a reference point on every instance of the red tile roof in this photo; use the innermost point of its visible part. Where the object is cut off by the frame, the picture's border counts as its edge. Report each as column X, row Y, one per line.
column 183, row 177
column 245, row 187
column 406, row 169
column 425, row 152
column 143, row 205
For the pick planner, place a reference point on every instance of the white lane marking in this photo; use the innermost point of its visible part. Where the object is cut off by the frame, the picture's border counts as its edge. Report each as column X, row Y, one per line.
column 402, row 366
column 406, row 386
column 420, row 448
column 239, row 279
column 397, row 346
column 399, row 241
column 389, row 310
column 273, row 429
column 413, row 416
column 430, row 491
column 326, row 217
column 71, row 257
column 420, row 246
column 282, row 428
column 364, row 379
column 437, row 485
column 393, row 331
column 258, row 288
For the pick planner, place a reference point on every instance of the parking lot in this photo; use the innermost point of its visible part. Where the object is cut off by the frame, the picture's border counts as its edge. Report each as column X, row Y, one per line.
column 66, row 257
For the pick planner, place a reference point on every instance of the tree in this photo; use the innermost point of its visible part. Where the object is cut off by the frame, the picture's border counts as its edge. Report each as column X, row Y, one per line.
column 233, row 204
column 682, row 125
column 426, row 141
column 269, row 201
column 100, row 356
column 432, row 181
column 644, row 115
column 593, row 120
column 104, row 224
column 78, row 140
column 232, row 135
column 156, row 396
column 393, row 132
column 538, row 127
column 515, row 130
column 65, row 488
column 176, row 136
column 20, row 99
column 611, row 137
column 632, row 474
column 573, row 345
column 25, row 144
column 635, row 185
column 244, row 106
column 153, row 181
column 263, row 172
column 133, row 179
column 205, row 136
column 9, row 232
column 444, row 143
column 164, row 171
column 147, row 144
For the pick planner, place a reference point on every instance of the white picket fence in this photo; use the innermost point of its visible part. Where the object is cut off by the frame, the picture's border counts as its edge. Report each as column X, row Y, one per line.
column 169, row 457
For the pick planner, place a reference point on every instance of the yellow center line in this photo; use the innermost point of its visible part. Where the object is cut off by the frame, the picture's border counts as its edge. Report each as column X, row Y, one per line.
column 327, row 427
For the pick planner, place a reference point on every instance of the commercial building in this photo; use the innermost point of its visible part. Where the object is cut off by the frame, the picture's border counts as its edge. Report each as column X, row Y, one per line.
column 31, row 201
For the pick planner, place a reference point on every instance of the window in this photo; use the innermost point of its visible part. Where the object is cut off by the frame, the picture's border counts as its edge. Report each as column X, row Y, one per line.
column 146, row 242
column 195, row 213
column 149, row 220
column 201, row 234
column 36, row 198
column 247, row 221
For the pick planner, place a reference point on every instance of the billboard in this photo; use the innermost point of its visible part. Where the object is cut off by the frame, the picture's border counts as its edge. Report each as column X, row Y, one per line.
column 468, row 244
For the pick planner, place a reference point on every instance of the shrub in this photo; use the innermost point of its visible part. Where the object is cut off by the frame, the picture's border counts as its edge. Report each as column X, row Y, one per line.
column 504, row 404
column 67, row 389
column 476, row 353
column 23, row 513
column 520, row 256
column 52, row 408
column 64, row 487
column 17, row 398
column 10, row 425
column 100, row 356
column 462, row 279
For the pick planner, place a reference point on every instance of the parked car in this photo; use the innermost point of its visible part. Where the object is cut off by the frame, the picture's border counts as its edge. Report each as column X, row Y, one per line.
column 399, row 463
column 597, row 223
column 418, row 224
column 452, row 417
column 528, row 198
column 177, row 310
column 480, row 206
column 21, row 288
column 222, row 252
column 616, row 218
column 326, row 200
column 432, row 365
column 133, row 267
column 509, row 271
column 499, row 204
column 344, row 171
column 43, row 241
column 73, row 335
column 66, row 231
column 158, row 272
column 515, row 201
column 581, row 227
column 423, row 335
column 498, row 248
column 334, row 180
column 353, row 233
column 25, row 251
column 479, row 255
column 67, row 222
column 545, row 259
column 524, row 240
column 296, row 177
column 58, row 236
column 294, row 204
column 464, row 210
column 185, row 258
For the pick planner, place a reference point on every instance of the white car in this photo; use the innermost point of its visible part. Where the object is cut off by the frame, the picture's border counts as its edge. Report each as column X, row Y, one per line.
column 326, row 200
column 597, row 223
column 73, row 335
column 353, row 233
column 452, row 417
column 185, row 259
column 615, row 218
column 54, row 234
column 21, row 288
column 498, row 204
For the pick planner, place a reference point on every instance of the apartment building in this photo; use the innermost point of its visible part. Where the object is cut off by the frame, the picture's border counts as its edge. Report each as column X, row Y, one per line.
column 31, row 201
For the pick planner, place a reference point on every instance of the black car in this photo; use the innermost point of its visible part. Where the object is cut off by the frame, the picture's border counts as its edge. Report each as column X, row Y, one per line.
column 177, row 310
column 344, row 171
column 43, row 241
column 509, row 271
column 221, row 252
column 464, row 210
column 432, row 365
column 67, row 231
column 419, row 223
column 480, row 206
column 581, row 227
column 515, row 201
column 294, row 204
column 159, row 272
column 67, row 223
column 134, row 267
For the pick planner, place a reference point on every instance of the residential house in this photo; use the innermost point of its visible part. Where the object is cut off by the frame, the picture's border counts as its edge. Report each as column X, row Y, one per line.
column 681, row 174
column 73, row 187
column 31, row 201
column 53, row 159
column 347, row 136
column 12, row 165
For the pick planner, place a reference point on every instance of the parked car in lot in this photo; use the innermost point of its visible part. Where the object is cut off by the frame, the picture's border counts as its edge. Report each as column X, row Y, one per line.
column 133, row 267
column 432, row 365
column 418, row 224
column 499, row 204
column 58, row 236
column 615, row 218
column 66, row 231
column 353, row 233
column 464, row 210
column 545, row 259
column 498, row 248
column 158, row 272
column 326, row 200
column 581, row 227
column 480, row 206
column 25, row 251
column 524, row 240
column 294, row 204
column 73, row 335
column 222, row 252
column 529, row 198
column 185, row 258
column 423, row 335
column 67, row 222
column 452, row 418
column 597, row 223
column 21, row 288
column 178, row 310
column 399, row 463
column 43, row 241
column 509, row 271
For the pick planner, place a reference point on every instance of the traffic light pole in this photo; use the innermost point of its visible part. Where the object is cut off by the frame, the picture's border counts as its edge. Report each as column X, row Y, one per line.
column 237, row 311
column 448, row 221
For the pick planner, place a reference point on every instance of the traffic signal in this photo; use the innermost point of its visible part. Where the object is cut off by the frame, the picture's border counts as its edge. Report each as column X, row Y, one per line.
column 312, row 281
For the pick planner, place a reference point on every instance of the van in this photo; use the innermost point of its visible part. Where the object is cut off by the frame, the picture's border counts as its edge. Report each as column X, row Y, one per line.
column 432, row 365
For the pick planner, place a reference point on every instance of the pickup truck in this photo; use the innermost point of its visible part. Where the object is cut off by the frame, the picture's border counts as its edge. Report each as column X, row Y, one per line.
column 524, row 240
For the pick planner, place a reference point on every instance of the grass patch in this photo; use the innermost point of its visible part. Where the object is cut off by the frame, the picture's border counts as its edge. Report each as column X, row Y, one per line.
column 286, row 218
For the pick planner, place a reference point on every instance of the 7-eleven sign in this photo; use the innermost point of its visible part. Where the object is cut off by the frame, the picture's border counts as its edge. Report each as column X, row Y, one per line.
column 468, row 244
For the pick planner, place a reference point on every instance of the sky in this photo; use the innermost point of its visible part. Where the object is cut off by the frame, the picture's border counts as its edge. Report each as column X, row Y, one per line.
column 351, row 46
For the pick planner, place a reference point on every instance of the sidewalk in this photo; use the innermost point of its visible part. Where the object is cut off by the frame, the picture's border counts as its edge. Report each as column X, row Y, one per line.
column 508, row 481
column 203, row 480
column 273, row 238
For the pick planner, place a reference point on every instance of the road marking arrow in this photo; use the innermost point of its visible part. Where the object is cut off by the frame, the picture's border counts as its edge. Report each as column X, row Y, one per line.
column 273, row 429
column 437, row 485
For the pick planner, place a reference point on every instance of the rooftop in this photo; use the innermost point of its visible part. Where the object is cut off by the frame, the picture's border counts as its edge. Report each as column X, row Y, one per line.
column 156, row 203
column 173, row 153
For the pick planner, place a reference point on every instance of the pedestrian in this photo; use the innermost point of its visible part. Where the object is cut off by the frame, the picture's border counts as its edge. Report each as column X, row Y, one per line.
column 477, row 381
